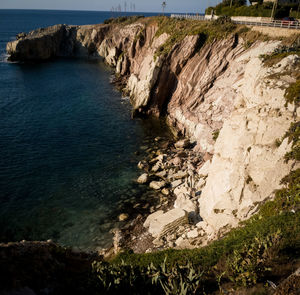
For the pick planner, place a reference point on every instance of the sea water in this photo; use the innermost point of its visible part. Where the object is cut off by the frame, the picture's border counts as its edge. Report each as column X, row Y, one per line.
column 68, row 146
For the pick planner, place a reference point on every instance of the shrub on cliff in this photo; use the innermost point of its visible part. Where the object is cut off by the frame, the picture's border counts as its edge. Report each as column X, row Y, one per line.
column 126, row 20
column 259, row 10
column 178, row 29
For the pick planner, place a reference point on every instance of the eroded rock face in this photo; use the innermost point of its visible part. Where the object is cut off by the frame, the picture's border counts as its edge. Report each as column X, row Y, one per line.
column 247, row 166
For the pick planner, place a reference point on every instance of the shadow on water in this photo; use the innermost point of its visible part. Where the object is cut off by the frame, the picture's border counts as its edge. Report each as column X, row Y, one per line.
column 69, row 153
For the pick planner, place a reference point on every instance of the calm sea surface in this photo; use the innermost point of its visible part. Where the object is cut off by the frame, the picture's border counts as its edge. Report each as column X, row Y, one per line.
column 67, row 143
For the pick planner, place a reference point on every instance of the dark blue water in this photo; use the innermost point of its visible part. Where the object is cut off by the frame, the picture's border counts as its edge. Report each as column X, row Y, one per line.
column 67, row 143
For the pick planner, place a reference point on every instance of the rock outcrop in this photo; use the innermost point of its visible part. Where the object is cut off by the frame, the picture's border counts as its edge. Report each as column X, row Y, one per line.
column 204, row 89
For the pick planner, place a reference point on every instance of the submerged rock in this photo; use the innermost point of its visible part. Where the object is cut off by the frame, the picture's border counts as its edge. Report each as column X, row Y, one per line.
column 123, row 217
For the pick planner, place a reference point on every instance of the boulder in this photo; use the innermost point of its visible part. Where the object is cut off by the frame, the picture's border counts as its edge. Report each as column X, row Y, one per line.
column 200, row 184
column 176, row 183
column 157, row 184
column 156, row 167
column 152, row 217
column 123, row 217
column 176, row 161
column 161, row 174
column 165, row 191
column 160, row 224
column 180, row 175
column 144, row 178
column 203, row 171
column 184, row 143
column 183, row 202
column 192, row 234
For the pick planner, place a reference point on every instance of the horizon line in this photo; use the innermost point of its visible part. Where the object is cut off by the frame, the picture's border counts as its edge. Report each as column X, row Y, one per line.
column 86, row 10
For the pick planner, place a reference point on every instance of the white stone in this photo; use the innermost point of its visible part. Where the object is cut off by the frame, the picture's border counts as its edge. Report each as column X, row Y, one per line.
column 176, row 183
column 182, row 143
column 152, row 217
column 200, row 184
column 192, row 234
column 144, row 178
column 204, row 170
column 157, row 184
column 167, row 223
column 183, row 202
column 180, row 175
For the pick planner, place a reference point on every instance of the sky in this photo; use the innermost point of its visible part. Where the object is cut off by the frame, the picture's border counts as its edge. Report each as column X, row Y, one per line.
column 106, row 5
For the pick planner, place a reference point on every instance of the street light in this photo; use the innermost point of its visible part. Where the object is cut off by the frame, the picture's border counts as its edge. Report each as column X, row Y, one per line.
column 274, row 9
column 164, row 4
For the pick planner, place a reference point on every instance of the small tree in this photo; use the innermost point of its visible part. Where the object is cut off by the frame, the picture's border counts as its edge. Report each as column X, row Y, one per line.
column 164, row 5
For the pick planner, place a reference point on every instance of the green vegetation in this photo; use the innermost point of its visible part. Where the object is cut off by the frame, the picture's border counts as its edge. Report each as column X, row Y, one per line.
column 178, row 29
column 292, row 93
column 215, row 134
column 125, row 20
column 293, row 136
column 281, row 52
column 261, row 9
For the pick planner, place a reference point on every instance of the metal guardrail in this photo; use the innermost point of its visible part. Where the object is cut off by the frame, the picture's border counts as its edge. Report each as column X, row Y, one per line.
column 275, row 24
column 189, row 16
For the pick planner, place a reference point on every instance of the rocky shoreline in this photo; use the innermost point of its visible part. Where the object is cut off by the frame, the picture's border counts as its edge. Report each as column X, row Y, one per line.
column 171, row 170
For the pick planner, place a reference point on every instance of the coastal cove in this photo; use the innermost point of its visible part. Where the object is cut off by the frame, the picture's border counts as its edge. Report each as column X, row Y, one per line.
column 69, row 148
column 216, row 207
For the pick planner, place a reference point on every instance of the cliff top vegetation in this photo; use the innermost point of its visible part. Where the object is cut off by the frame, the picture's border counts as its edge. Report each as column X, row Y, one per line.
column 239, row 8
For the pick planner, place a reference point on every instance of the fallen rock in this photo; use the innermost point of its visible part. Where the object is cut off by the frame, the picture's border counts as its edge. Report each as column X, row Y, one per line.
column 180, row 175
column 142, row 165
column 161, row 174
column 165, row 191
column 184, row 143
column 176, row 183
column 166, row 223
column 182, row 189
column 144, row 178
column 176, row 161
column 152, row 217
column 192, row 234
column 156, row 167
column 157, row 184
column 158, row 242
column 200, row 184
column 184, row 203
column 203, row 171
column 123, row 217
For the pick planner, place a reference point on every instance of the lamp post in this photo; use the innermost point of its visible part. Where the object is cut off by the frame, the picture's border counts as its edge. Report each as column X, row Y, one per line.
column 164, row 4
column 274, row 9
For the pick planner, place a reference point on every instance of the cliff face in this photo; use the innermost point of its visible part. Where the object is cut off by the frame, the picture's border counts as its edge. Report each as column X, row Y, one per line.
column 201, row 87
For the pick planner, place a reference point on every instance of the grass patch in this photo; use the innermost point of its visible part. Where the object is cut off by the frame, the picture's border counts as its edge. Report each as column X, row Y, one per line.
column 215, row 134
column 293, row 136
column 283, row 51
column 292, row 93
column 124, row 20
column 260, row 10
column 178, row 29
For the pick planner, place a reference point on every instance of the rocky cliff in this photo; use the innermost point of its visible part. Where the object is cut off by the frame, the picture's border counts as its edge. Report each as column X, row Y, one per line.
column 212, row 86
